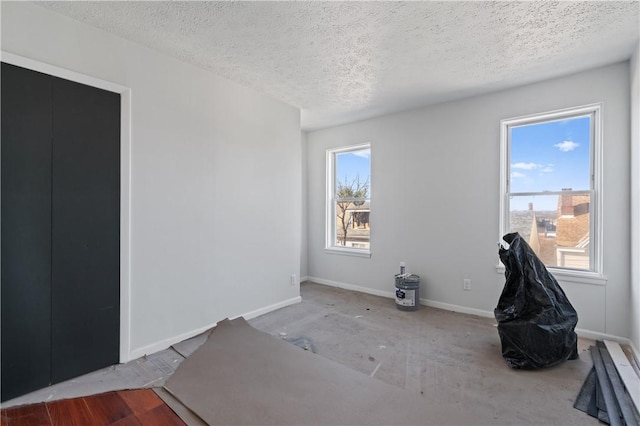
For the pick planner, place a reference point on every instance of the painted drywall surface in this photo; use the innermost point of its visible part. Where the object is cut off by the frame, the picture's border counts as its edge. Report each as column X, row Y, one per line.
column 216, row 178
column 635, row 199
column 304, row 255
column 435, row 196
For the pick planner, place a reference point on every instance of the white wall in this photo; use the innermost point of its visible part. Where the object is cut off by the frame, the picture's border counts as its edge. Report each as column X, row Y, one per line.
column 304, row 254
column 215, row 179
column 435, row 197
column 635, row 200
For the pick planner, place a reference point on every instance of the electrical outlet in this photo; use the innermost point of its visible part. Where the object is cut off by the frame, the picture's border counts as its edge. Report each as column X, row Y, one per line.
column 294, row 279
column 466, row 284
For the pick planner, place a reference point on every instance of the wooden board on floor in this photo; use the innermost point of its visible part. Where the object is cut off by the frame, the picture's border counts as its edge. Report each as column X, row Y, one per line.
column 608, row 394
column 244, row 376
column 625, row 370
column 622, row 397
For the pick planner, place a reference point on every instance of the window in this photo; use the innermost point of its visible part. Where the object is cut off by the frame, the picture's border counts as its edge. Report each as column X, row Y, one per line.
column 550, row 167
column 348, row 227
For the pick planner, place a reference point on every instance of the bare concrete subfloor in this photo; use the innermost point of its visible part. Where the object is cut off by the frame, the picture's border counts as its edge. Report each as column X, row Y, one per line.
column 441, row 355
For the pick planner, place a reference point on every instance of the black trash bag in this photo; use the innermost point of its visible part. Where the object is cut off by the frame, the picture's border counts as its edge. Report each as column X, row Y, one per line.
column 536, row 321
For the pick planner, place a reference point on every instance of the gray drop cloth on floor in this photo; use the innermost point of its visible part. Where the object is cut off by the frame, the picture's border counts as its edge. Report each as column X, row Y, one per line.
column 244, row 376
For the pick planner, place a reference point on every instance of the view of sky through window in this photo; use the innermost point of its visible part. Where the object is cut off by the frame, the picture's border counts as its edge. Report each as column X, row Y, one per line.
column 350, row 165
column 549, row 156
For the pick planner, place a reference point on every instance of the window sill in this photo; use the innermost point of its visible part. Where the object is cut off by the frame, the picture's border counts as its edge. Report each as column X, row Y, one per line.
column 590, row 278
column 348, row 252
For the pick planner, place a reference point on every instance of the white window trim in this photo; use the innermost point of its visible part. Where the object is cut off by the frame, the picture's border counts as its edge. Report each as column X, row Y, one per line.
column 330, row 218
column 580, row 276
column 348, row 251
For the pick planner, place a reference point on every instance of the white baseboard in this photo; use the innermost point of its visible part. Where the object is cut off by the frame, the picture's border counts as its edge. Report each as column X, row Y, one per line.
column 457, row 308
column 270, row 308
column 166, row 343
column 305, row 278
column 636, row 353
column 352, row 287
column 587, row 334
column 596, row 335
column 392, row 295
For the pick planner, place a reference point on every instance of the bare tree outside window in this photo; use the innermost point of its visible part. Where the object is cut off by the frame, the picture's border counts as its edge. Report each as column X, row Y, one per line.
column 349, row 193
column 348, row 228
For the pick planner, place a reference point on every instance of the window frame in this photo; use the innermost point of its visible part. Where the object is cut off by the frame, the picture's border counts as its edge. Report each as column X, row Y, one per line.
column 594, row 275
column 330, row 203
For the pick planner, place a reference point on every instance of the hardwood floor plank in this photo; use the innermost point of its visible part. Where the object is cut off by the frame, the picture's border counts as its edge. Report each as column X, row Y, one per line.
column 69, row 412
column 140, row 407
column 141, row 400
column 28, row 415
column 107, row 408
column 161, row 416
column 131, row 420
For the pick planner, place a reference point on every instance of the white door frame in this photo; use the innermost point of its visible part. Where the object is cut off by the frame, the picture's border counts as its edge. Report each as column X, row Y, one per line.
column 125, row 180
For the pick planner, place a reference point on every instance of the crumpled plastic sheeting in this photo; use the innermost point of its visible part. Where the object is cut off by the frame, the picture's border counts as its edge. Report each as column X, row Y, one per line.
column 536, row 321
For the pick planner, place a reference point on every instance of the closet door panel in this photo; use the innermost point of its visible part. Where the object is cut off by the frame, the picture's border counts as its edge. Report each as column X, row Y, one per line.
column 85, row 229
column 26, row 230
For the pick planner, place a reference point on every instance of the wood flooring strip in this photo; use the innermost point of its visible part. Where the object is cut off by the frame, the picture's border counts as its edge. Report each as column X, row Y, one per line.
column 601, row 413
column 161, row 416
column 131, row 420
column 140, row 407
column 605, row 387
column 624, row 402
column 69, row 412
column 627, row 373
column 140, row 400
column 35, row 414
column 107, row 408
column 586, row 399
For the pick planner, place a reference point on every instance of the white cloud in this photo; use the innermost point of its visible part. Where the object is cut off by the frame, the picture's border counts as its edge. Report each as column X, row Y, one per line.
column 526, row 166
column 365, row 153
column 517, row 175
column 566, row 146
column 547, row 169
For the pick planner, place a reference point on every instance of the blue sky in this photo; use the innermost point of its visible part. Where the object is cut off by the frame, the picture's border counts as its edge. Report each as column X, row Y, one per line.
column 549, row 156
column 350, row 164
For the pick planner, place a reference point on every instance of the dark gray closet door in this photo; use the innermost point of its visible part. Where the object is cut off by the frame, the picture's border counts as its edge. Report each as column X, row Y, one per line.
column 26, row 231
column 60, row 230
column 85, row 229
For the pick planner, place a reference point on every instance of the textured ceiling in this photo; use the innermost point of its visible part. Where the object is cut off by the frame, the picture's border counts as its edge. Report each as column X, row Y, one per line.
column 344, row 61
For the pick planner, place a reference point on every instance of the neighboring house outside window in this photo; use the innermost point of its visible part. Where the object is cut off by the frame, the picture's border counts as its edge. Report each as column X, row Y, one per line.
column 348, row 228
column 550, row 185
